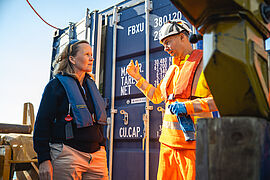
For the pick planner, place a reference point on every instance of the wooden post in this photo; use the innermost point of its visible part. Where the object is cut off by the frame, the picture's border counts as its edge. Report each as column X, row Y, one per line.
column 233, row 148
column 28, row 115
column 7, row 158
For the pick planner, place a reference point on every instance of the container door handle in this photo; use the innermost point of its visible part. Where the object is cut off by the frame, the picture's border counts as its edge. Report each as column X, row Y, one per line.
column 160, row 109
column 144, row 130
column 125, row 119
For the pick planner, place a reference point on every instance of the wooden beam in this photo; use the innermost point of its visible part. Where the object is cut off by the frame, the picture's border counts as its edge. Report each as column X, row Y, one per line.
column 15, row 128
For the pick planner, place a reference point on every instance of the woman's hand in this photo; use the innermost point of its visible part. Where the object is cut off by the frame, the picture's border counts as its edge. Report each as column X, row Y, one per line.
column 46, row 170
column 134, row 71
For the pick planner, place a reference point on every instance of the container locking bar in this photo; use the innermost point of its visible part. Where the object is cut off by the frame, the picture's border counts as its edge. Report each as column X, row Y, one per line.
column 162, row 110
column 113, row 111
column 144, row 130
column 145, row 122
column 148, row 8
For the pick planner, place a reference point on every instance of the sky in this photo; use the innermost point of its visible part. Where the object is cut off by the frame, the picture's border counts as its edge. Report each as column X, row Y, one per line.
column 26, row 48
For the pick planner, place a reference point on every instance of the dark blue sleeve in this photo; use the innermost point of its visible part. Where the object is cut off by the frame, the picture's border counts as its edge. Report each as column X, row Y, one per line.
column 44, row 121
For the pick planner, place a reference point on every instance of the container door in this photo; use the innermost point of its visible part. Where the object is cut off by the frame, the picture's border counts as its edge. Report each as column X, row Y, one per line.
column 128, row 150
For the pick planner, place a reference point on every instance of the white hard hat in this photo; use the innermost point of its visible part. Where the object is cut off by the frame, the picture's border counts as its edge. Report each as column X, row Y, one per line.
column 173, row 28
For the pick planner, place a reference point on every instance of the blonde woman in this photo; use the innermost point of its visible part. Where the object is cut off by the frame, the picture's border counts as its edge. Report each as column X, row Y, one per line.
column 68, row 134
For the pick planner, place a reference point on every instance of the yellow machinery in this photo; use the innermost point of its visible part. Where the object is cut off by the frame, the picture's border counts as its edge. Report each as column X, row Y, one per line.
column 16, row 148
column 235, row 62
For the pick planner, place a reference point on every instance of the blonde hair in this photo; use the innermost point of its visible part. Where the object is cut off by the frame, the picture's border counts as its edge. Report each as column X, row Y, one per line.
column 62, row 64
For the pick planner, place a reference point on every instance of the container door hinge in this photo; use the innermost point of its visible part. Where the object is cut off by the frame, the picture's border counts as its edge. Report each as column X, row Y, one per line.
column 150, row 108
column 87, row 19
column 116, row 16
column 149, row 6
column 114, row 111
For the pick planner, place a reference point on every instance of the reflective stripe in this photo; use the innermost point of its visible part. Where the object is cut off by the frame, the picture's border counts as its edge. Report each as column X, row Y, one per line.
column 197, row 107
column 202, row 115
column 211, row 104
column 167, row 111
column 196, row 78
column 171, row 125
column 167, row 79
column 204, row 105
column 144, row 85
column 185, row 78
column 151, row 92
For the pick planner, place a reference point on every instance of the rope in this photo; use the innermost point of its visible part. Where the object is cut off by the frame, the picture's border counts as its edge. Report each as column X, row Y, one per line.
column 40, row 16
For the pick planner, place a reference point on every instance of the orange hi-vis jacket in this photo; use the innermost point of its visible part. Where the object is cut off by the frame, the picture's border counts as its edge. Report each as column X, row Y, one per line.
column 183, row 82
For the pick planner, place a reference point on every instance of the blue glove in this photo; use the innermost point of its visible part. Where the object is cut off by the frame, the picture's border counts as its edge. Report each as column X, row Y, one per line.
column 187, row 127
column 178, row 108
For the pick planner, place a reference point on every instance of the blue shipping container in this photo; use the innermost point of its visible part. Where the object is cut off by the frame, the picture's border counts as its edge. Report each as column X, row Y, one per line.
column 118, row 35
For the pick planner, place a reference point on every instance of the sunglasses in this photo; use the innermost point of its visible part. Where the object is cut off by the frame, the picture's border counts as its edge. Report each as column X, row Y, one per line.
column 73, row 41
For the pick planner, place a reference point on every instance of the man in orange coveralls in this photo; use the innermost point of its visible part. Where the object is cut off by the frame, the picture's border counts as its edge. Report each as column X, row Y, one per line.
column 187, row 97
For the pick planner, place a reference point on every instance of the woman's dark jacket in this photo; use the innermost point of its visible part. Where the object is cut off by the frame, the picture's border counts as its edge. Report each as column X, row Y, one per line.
column 50, row 122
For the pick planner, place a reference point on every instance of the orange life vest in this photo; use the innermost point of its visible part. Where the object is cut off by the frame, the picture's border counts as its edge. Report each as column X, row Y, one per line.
column 186, row 78
column 182, row 83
